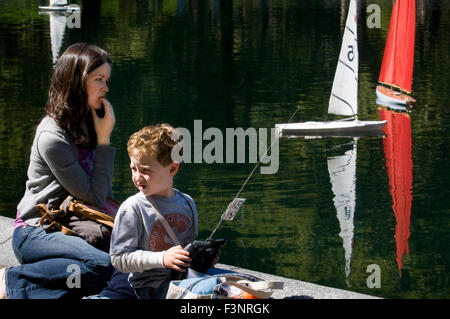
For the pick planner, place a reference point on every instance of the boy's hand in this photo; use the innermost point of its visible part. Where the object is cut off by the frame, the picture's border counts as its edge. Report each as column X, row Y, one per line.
column 216, row 259
column 214, row 262
column 175, row 258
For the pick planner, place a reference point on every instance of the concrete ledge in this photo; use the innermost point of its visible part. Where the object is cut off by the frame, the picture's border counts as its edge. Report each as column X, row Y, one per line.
column 296, row 289
column 7, row 256
column 293, row 289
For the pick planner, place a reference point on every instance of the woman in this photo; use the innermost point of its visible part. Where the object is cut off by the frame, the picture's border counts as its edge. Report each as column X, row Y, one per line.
column 70, row 155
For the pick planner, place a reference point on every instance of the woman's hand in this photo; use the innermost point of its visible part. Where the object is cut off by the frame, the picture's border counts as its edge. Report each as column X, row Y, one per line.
column 175, row 258
column 104, row 125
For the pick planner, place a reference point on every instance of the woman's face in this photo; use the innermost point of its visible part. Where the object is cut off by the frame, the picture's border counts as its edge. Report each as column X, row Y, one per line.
column 97, row 85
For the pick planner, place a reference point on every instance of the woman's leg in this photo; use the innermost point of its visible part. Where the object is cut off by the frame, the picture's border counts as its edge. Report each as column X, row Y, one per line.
column 55, row 265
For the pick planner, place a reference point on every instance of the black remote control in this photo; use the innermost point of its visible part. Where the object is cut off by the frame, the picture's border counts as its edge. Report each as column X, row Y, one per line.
column 202, row 253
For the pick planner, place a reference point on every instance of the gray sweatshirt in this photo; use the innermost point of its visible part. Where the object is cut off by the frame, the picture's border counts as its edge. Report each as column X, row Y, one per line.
column 54, row 172
column 139, row 238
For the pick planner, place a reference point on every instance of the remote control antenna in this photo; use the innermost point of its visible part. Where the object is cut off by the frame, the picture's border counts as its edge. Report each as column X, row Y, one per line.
column 237, row 202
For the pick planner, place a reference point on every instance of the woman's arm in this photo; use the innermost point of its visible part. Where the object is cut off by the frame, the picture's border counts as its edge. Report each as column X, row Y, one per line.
column 59, row 155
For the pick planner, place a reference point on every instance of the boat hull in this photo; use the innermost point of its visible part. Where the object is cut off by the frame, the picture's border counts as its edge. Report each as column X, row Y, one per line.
column 69, row 8
column 386, row 96
column 353, row 128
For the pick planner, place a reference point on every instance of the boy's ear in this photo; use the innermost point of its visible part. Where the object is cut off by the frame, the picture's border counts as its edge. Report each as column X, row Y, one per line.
column 173, row 169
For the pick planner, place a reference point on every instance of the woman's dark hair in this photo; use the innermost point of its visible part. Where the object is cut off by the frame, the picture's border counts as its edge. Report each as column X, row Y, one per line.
column 67, row 97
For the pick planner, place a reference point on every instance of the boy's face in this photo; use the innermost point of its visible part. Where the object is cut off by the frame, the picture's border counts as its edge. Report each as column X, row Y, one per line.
column 150, row 177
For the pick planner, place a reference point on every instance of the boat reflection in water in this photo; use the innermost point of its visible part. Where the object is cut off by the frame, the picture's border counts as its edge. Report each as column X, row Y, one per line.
column 58, row 22
column 58, row 11
column 397, row 151
column 342, row 170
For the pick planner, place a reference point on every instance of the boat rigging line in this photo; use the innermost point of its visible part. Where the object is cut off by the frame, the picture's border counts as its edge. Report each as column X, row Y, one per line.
column 237, row 202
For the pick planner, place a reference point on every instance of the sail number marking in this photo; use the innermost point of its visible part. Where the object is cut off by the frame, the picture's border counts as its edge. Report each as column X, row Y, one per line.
column 351, row 53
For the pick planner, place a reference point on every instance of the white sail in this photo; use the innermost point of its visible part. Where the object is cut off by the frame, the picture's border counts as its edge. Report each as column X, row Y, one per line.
column 344, row 94
column 342, row 170
column 57, row 28
column 58, row 2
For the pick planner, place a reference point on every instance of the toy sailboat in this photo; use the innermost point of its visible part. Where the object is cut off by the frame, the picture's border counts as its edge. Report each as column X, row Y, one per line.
column 397, row 67
column 60, row 6
column 344, row 94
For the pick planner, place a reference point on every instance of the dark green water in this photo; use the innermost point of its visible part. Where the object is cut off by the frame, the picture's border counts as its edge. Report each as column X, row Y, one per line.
column 249, row 64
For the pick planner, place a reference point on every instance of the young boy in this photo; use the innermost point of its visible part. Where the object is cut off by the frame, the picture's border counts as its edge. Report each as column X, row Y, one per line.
column 140, row 243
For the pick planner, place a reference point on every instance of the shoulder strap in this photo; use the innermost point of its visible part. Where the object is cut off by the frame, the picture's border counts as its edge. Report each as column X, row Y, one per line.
column 163, row 221
column 194, row 229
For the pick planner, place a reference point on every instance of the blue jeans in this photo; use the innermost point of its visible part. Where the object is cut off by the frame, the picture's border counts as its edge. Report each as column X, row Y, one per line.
column 54, row 265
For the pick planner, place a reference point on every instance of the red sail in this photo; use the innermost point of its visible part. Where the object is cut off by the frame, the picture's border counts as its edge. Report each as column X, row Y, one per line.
column 397, row 67
column 397, row 150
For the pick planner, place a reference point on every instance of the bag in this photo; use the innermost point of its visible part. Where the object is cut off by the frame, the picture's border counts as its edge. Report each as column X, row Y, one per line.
column 231, row 285
column 76, row 218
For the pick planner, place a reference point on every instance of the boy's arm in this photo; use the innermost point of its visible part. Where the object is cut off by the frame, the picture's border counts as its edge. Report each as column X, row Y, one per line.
column 126, row 254
column 137, row 261
column 141, row 260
